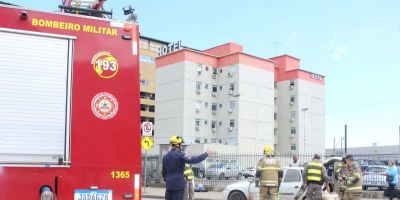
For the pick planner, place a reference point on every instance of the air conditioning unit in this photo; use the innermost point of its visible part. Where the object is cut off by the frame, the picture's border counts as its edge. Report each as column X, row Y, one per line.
column 291, row 87
column 230, row 92
column 214, row 94
column 291, row 119
column 197, row 128
column 214, row 130
column 214, row 76
column 230, row 128
column 198, row 91
column 230, row 74
column 292, row 103
column 293, row 151
column 291, row 135
column 199, row 69
column 230, row 110
column 214, row 112
column 197, row 110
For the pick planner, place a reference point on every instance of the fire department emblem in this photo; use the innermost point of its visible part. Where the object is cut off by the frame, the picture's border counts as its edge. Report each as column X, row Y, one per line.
column 105, row 65
column 104, row 106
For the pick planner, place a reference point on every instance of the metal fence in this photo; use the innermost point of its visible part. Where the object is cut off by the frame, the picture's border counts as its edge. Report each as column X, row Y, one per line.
column 219, row 170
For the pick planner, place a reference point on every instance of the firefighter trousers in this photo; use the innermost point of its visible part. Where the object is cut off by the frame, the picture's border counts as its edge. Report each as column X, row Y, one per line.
column 352, row 195
column 273, row 190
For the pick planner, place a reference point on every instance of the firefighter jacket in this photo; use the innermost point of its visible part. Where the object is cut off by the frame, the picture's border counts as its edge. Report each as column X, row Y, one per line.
column 353, row 179
column 314, row 172
column 173, row 167
column 188, row 172
column 269, row 168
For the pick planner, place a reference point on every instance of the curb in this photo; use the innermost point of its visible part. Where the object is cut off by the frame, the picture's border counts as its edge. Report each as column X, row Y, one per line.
column 161, row 197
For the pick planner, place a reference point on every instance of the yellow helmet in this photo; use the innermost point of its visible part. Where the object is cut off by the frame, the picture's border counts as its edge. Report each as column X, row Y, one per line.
column 268, row 150
column 175, row 140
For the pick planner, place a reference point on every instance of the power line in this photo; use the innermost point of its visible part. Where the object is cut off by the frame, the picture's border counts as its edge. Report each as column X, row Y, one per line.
column 364, row 106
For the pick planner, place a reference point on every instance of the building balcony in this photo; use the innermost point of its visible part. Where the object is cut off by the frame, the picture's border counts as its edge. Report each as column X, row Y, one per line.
column 147, row 102
column 147, row 114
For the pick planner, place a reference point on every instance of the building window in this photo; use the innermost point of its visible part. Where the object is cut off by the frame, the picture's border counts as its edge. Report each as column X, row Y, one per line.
column 198, row 106
column 275, row 147
column 205, row 140
column 220, row 123
column 275, row 100
column 206, row 86
column 214, row 108
column 292, row 116
column 206, row 104
column 292, row 131
column 293, row 147
column 231, row 88
column 291, row 84
column 197, row 124
column 145, row 58
column 205, row 122
column 220, row 71
column 214, row 90
column 143, row 107
column 197, row 140
column 213, row 124
column 232, row 123
column 220, row 87
column 220, row 105
column 198, row 87
column 275, row 131
column 144, row 82
column 151, row 108
column 206, row 68
column 213, row 141
column 215, row 71
column 275, row 85
column 275, row 116
column 231, row 106
column 292, row 100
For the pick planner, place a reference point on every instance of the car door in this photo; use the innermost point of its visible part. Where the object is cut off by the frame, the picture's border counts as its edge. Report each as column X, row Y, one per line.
column 253, row 191
column 290, row 184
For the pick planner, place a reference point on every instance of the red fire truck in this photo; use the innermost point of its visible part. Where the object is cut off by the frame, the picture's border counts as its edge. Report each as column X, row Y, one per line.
column 69, row 107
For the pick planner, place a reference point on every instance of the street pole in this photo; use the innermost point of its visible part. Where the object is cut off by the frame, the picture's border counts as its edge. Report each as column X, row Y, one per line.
column 334, row 146
column 145, row 171
column 345, row 139
column 304, row 126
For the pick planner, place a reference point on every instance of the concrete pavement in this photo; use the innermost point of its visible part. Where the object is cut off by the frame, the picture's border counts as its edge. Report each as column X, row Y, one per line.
column 158, row 193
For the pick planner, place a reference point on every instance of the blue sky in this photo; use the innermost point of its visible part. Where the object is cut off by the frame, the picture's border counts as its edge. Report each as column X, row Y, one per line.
column 356, row 44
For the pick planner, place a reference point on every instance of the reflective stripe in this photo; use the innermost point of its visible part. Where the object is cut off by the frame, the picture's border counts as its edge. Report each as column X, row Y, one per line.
column 190, row 177
column 314, row 164
column 314, row 178
column 314, row 171
column 269, row 181
column 275, row 168
column 188, row 171
column 354, row 188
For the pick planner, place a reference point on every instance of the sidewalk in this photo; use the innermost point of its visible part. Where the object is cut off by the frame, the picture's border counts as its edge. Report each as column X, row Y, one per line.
column 158, row 193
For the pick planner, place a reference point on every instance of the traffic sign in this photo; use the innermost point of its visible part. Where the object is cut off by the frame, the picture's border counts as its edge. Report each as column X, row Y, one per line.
column 147, row 129
column 147, row 143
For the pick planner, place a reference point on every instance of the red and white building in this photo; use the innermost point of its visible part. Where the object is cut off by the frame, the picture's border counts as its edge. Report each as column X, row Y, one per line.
column 223, row 95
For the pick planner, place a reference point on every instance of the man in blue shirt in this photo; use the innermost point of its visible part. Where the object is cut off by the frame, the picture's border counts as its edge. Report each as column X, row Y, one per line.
column 392, row 178
column 173, row 168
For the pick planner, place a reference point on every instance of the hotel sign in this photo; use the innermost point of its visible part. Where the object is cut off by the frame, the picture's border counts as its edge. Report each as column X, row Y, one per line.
column 172, row 47
column 316, row 76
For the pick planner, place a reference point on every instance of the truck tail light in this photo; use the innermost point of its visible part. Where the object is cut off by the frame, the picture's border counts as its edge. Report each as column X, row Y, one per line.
column 46, row 193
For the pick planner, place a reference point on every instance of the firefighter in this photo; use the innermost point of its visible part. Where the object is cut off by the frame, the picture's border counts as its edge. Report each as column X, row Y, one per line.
column 352, row 180
column 340, row 171
column 314, row 175
column 173, row 167
column 189, row 189
column 268, row 171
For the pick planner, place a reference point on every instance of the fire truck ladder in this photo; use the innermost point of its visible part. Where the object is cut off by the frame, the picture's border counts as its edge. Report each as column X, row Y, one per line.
column 85, row 7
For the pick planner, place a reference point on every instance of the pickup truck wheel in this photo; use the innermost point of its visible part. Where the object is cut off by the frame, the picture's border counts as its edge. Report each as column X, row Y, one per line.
column 236, row 195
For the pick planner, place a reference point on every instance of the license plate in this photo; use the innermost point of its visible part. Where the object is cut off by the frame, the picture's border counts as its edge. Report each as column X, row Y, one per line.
column 93, row 195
